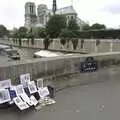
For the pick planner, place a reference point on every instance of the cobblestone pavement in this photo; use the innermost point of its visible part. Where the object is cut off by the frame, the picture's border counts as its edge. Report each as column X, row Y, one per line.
column 99, row 101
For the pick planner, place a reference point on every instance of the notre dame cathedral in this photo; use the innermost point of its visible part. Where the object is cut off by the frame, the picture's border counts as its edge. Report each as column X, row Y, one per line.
column 41, row 17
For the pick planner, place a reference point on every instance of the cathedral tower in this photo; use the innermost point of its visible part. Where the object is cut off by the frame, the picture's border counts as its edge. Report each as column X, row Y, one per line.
column 30, row 14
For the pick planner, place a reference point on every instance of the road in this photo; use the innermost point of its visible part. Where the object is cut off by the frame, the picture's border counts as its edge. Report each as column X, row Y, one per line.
column 100, row 101
column 25, row 54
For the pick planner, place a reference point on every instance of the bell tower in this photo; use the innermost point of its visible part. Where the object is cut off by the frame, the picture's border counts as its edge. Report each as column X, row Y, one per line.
column 54, row 7
column 30, row 14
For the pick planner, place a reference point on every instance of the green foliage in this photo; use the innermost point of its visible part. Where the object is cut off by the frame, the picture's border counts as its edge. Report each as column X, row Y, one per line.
column 97, row 34
column 15, row 33
column 97, row 26
column 22, row 32
column 75, row 43
column 39, row 32
column 86, row 27
column 31, row 36
column 63, row 41
column 72, row 25
column 3, row 31
column 65, row 33
column 42, row 32
column 47, row 42
column 55, row 24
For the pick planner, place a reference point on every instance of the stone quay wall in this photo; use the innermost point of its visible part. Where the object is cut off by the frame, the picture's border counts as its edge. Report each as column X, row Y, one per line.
column 51, row 67
column 89, row 45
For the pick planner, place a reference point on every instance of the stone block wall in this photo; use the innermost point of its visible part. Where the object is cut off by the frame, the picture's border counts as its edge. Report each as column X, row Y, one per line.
column 52, row 67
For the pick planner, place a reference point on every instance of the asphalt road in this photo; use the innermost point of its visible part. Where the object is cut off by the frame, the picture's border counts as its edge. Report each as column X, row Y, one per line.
column 100, row 101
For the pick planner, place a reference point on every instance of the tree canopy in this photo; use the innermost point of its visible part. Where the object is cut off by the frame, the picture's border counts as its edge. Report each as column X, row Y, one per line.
column 55, row 24
column 65, row 33
column 97, row 26
column 22, row 32
column 86, row 27
column 72, row 25
column 41, row 32
column 3, row 31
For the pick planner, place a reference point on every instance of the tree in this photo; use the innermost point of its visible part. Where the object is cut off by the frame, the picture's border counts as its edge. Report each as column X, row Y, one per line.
column 63, row 41
column 39, row 32
column 3, row 31
column 31, row 35
column 86, row 27
column 55, row 24
column 46, row 42
column 75, row 43
column 67, row 35
column 20, row 42
column 82, row 43
column 97, row 26
column 42, row 32
column 22, row 31
column 72, row 25
column 14, row 34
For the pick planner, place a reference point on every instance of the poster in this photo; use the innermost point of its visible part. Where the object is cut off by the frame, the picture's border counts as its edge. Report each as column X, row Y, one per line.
column 32, row 87
column 19, row 90
column 39, row 83
column 4, row 96
column 26, row 99
column 5, row 83
column 24, row 79
column 43, row 92
column 33, row 100
column 20, row 103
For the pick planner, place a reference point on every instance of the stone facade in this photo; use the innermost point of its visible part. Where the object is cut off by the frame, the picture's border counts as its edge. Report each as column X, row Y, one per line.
column 43, row 14
column 30, row 14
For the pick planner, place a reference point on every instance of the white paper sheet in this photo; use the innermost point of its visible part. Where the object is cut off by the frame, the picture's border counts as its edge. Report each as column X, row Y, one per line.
column 32, row 87
column 33, row 100
column 24, row 79
column 39, row 83
column 26, row 99
column 4, row 96
column 19, row 90
column 20, row 103
column 43, row 92
column 5, row 84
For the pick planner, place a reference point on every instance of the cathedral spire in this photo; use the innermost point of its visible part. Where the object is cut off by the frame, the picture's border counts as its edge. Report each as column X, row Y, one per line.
column 54, row 7
column 71, row 2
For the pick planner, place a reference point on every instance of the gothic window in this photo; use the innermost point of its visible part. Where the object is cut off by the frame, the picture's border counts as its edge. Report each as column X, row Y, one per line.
column 31, row 8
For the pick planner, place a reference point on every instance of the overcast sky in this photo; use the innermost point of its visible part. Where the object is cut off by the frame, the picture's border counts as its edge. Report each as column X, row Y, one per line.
column 102, row 11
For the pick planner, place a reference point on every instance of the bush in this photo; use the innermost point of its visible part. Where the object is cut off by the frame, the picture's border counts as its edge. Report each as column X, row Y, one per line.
column 65, row 33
